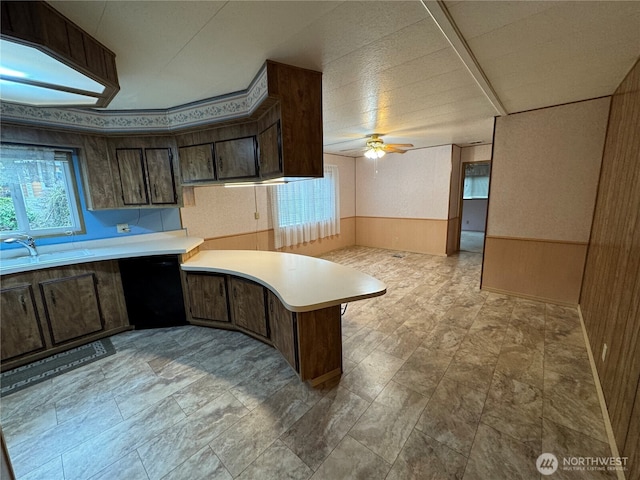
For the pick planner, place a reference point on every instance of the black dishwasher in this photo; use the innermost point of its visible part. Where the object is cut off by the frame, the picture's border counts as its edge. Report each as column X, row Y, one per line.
column 153, row 291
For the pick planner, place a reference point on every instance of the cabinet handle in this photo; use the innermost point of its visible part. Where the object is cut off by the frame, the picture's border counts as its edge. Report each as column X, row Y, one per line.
column 221, row 164
column 139, row 191
column 155, row 190
column 235, row 292
column 53, row 297
column 23, row 303
column 221, row 292
column 271, row 307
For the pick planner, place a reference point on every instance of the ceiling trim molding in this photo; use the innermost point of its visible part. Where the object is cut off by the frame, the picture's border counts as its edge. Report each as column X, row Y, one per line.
column 222, row 108
column 448, row 27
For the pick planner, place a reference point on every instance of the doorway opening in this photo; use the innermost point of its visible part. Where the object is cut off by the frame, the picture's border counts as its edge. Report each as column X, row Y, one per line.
column 473, row 205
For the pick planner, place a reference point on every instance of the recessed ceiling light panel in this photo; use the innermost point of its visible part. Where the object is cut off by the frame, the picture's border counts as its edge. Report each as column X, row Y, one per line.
column 47, row 60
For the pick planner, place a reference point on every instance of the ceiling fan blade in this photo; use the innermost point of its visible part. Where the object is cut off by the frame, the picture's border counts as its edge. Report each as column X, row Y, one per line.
column 389, row 149
column 399, row 144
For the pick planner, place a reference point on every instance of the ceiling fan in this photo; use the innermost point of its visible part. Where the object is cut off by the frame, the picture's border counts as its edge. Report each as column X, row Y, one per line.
column 376, row 148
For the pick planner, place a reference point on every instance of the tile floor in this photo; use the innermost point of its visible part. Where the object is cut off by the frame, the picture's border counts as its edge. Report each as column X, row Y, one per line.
column 440, row 381
column 471, row 241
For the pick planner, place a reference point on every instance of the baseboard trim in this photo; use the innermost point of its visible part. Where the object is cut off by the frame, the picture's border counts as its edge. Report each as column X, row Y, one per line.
column 603, row 405
column 528, row 297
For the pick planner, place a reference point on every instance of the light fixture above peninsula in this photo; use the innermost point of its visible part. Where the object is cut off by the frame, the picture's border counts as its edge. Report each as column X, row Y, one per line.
column 46, row 60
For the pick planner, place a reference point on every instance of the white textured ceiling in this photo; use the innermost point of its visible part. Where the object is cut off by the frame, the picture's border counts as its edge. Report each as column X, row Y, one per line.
column 387, row 67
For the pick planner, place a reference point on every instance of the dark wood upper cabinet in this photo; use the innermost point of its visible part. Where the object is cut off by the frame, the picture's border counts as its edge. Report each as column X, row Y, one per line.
column 72, row 307
column 162, row 184
column 299, row 95
column 20, row 329
column 196, row 163
column 145, row 173
column 248, row 306
column 237, row 158
column 132, row 176
column 270, row 149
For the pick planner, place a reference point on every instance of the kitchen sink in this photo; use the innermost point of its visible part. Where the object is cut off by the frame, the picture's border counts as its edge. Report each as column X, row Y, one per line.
column 44, row 258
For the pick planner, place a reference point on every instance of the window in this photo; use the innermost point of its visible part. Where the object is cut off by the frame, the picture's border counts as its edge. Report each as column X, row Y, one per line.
column 307, row 209
column 37, row 191
column 476, row 181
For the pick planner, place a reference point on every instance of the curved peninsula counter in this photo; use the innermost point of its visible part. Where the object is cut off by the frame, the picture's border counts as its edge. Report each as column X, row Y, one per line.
column 290, row 301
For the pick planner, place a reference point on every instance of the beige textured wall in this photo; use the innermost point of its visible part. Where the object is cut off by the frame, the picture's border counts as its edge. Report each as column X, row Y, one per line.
column 413, row 185
column 476, row 153
column 544, row 179
column 221, row 212
column 545, row 172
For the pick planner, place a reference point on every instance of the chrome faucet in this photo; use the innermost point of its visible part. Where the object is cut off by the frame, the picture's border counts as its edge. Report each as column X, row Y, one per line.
column 26, row 241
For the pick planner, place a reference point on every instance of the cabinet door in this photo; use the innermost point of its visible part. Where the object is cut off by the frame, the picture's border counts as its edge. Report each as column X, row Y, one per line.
column 270, row 151
column 283, row 330
column 236, row 158
column 72, row 307
column 132, row 176
column 208, row 297
column 196, row 163
column 162, row 184
column 20, row 329
column 247, row 304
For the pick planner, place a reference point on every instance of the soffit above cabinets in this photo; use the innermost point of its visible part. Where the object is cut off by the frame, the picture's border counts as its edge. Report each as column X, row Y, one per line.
column 386, row 66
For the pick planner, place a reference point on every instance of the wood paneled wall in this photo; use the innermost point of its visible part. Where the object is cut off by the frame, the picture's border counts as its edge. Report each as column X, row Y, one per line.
column 610, row 299
column 421, row 235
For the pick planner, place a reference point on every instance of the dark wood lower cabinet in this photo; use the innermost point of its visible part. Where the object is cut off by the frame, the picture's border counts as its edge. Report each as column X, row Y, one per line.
column 311, row 342
column 208, row 297
column 248, row 306
column 72, row 307
column 283, row 324
column 20, row 329
column 51, row 310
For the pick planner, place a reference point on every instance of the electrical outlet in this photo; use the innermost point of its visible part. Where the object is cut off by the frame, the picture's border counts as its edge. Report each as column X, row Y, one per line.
column 256, row 215
column 123, row 228
column 604, row 351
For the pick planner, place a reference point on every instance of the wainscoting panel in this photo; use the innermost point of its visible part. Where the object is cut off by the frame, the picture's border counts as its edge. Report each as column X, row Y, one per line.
column 544, row 270
column 408, row 234
column 263, row 240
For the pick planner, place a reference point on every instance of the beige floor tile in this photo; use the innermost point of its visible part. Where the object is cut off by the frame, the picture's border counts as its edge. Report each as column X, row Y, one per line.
column 496, row 455
column 172, row 447
column 128, row 467
column 422, row 371
column 370, row 376
column 452, row 415
column 566, row 443
column 203, row 465
column 351, row 459
column 317, row 433
column 387, row 423
column 573, row 402
column 277, row 463
column 423, row 458
column 514, row 408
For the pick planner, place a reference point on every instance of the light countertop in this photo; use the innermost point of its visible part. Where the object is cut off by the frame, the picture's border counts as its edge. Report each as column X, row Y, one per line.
column 302, row 283
column 169, row 243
